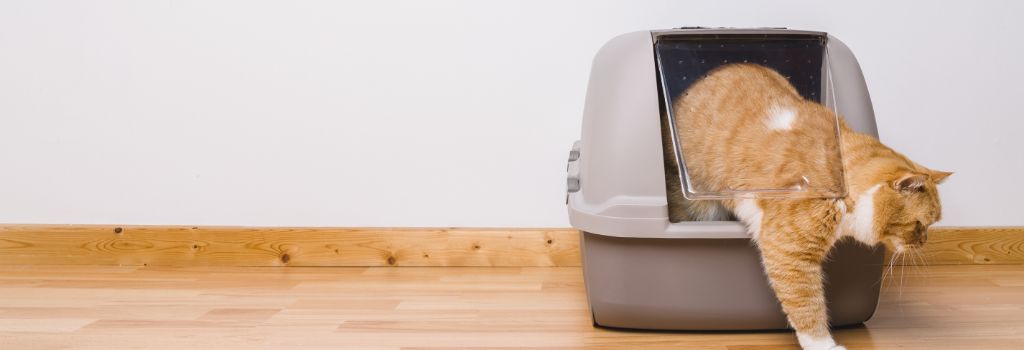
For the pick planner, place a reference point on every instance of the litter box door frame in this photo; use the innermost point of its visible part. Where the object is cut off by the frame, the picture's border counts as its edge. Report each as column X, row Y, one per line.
column 694, row 48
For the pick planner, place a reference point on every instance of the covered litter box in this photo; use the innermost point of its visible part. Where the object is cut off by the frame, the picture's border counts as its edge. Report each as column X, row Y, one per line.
column 643, row 271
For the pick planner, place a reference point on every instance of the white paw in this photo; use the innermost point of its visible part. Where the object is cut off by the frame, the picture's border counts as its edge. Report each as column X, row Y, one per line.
column 808, row 342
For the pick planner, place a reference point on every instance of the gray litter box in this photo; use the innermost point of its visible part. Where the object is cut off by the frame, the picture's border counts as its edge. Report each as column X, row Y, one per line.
column 643, row 271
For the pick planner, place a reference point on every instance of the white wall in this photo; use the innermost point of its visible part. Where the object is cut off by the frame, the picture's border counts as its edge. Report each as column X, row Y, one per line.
column 426, row 113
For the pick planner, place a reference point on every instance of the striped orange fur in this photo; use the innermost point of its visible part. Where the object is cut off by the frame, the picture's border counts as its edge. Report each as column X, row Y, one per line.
column 744, row 126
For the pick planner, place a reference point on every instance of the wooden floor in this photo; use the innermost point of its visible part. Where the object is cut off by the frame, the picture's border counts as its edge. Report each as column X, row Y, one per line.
column 81, row 307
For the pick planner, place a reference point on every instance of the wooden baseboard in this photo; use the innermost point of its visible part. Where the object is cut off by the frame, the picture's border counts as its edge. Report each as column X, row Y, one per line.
column 973, row 245
column 252, row 246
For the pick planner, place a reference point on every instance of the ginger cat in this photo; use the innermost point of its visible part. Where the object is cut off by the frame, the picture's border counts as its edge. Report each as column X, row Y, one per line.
column 748, row 119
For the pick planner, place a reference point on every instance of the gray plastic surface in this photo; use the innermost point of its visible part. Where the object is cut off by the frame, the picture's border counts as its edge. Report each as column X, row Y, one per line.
column 642, row 271
column 711, row 284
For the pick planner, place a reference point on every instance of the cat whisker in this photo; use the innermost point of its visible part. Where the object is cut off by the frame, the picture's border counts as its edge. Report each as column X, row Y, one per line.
column 925, row 255
column 892, row 264
column 887, row 270
column 923, row 266
column 892, row 267
column 918, row 264
column 903, row 269
column 920, row 270
column 914, row 263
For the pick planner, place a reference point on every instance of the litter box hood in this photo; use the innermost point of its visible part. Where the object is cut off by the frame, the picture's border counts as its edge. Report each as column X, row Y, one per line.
column 616, row 183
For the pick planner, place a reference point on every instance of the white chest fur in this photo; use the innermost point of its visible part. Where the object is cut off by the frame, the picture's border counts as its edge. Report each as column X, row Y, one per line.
column 750, row 213
column 859, row 224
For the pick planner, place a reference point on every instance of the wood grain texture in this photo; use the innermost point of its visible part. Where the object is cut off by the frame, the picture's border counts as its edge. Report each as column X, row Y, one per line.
column 971, row 245
column 257, row 246
column 425, row 308
column 242, row 246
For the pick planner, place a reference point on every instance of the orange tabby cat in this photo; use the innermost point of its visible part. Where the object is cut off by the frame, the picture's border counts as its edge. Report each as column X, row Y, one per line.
column 748, row 119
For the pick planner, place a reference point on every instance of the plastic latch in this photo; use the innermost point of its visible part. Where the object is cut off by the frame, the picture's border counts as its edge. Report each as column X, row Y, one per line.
column 572, row 181
column 574, row 153
column 572, row 184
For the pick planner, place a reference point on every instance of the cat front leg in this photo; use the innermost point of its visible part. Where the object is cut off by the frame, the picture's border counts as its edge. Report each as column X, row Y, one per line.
column 793, row 262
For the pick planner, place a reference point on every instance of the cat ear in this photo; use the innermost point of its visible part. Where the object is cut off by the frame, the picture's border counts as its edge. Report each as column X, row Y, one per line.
column 939, row 176
column 910, row 182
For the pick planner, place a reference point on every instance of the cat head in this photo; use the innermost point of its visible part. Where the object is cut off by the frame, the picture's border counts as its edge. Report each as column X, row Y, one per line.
column 906, row 204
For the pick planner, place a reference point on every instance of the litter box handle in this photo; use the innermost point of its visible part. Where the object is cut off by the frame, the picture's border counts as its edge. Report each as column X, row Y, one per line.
column 572, row 180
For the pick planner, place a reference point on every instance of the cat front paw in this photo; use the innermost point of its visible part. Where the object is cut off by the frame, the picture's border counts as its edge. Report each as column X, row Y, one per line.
column 815, row 343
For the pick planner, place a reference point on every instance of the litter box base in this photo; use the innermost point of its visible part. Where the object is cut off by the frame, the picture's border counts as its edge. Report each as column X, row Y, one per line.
column 712, row 284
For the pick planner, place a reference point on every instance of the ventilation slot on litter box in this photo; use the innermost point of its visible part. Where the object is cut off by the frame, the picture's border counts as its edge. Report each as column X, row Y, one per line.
column 802, row 59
